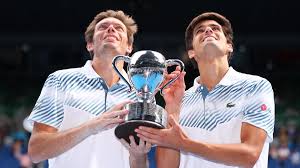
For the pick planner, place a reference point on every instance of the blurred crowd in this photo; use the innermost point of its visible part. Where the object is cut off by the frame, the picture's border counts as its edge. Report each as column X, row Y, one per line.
column 13, row 145
column 285, row 149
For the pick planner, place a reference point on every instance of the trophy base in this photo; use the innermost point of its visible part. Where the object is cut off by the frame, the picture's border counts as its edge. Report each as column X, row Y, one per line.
column 127, row 128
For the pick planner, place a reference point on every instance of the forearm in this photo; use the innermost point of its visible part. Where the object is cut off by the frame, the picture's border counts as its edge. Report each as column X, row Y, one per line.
column 45, row 145
column 139, row 162
column 166, row 157
column 230, row 154
column 173, row 109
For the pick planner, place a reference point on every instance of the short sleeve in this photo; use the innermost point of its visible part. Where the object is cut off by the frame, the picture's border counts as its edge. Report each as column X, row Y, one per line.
column 49, row 106
column 260, row 109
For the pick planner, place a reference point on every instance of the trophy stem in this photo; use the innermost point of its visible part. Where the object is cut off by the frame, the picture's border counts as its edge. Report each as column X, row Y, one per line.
column 145, row 97
column 141, row 114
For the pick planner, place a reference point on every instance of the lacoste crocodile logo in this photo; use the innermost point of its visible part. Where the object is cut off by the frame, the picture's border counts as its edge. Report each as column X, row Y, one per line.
column 229, row 105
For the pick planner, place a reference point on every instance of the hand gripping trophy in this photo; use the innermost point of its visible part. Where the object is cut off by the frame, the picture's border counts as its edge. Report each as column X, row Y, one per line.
column 146, row 70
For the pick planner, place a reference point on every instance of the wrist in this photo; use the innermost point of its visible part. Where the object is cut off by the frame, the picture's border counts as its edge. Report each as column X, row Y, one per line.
column 184, row 144
column 88, row 129
column 173, row 102
column 173, row 108
column 138, row 161
column 139, row 158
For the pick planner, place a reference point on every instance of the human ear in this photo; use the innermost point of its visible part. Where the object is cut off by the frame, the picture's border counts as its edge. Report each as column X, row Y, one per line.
column 89, row 46
column 191, row 53
column 129, row 49
column 230, row 48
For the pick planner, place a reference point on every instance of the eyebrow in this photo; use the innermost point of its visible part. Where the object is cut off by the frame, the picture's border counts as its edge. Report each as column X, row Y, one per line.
column 212, row 24
column 117, row 24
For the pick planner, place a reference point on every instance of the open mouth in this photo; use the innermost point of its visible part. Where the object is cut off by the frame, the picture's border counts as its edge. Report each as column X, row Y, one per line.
column 110, row 37
column 209, row 38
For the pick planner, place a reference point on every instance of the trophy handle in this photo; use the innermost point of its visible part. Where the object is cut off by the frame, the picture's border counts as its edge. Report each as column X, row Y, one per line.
column 127, row 60
column 171, row 62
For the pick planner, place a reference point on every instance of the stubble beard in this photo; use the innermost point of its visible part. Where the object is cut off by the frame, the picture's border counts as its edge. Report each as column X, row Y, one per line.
column 108, row 49
column 212, row 50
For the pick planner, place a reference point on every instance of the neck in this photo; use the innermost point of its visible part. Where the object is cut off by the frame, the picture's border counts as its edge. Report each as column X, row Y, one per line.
column 211, row 73
column 103, row 67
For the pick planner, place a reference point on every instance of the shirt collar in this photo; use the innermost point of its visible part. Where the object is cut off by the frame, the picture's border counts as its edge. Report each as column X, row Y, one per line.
column 231, row 77
column 89, row 71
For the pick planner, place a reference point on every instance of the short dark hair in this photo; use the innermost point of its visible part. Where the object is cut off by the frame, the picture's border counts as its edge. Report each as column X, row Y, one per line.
column 225, row 23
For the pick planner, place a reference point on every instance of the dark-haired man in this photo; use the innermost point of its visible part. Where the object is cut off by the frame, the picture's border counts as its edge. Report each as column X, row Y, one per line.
column 226, row 119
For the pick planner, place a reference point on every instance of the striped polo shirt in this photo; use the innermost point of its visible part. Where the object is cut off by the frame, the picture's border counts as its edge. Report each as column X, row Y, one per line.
column 73, row 96
column 216, row 116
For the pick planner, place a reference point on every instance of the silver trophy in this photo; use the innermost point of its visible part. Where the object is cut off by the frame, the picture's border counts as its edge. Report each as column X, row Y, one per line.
column 146, row 70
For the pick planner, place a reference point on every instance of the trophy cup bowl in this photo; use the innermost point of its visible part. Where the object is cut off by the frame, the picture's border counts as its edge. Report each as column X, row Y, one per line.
column 145, row 70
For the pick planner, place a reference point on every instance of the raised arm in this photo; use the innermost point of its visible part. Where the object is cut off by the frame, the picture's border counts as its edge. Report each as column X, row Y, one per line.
column 167, row 157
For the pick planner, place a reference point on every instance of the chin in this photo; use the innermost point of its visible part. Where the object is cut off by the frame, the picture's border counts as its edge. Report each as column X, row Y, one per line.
column 210, row 46
column 211, row 49
column 109, row 45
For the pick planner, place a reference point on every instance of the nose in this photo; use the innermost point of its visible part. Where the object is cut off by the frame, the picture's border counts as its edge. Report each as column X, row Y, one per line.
column 208, row 30
column 111, row 28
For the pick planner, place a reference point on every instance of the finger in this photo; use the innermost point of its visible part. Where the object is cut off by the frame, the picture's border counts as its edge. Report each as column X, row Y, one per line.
column 112, row 125
column 149, row 134
column 121, row 105
column 178, row 68
column 108, row 124
column 114, row 114
column 148, row 130
column 148, row 146
column 172, row 75
column 166, row 90
column 115, row 120
column 124, row 142
column 141, row 143
column 168, row 78
column 132, row 141
column 149, row 140
column 180, row 82
column 182, row 74
column 122, row 116
column 176, row 72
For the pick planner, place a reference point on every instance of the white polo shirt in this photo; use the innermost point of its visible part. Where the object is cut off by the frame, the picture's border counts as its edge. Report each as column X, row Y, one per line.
column 73, row 96
column 216, row 116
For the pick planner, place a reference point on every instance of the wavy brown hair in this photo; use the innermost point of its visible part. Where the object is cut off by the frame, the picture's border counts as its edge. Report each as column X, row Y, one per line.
column 120, row 15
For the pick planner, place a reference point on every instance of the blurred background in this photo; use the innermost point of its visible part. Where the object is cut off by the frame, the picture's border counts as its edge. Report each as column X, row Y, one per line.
column 40, row 37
